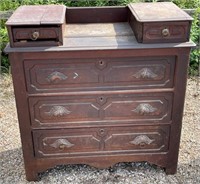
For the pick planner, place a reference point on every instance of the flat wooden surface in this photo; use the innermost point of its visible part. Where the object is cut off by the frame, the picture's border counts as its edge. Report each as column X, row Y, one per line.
column 98, row 30
column 160, row 11
column 36, row 15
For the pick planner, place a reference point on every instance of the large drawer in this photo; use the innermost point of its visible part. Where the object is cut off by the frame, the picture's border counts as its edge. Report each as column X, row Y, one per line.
column 100, row 141
column 61, row 75
column 100, row 109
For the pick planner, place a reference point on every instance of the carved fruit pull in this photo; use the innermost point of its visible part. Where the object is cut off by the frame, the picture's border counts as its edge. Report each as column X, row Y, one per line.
column 56, row 77
column 144, row 108
column 61, row 144
column 145, row 73
column 142, row 140
column 58, row 111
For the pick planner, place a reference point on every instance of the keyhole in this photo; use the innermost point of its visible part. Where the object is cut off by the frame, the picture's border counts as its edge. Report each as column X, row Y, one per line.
column 101, row 62
column 101, row 99
column 102, row 131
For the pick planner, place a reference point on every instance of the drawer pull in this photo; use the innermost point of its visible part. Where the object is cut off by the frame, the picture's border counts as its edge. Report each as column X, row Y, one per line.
column 35, row 35
column 144, row 108
column 56, row 77
column 58, row 111
column 61, row 144
column 165, row 32
column 142, row 141
column 145, row 73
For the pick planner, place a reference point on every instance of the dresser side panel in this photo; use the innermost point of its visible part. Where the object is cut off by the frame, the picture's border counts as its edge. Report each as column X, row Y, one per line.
column 17, row 70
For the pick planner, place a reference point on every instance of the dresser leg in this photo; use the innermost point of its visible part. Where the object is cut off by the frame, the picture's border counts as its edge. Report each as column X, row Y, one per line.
column 32, row 176
column 171, row 170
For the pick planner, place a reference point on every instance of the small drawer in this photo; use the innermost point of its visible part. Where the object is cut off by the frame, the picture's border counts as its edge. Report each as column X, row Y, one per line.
column 62, row 75
column 100, row 141
column 159, row 22
column 35, row 34
column 165, row 32
column 65, row 111
column 36, row 26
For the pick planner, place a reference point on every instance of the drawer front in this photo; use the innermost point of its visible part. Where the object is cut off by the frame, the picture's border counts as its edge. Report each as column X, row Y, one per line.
column 98, row 74
column 100, row 141
column 34, row 34
column 166, row 32
column 100, row 109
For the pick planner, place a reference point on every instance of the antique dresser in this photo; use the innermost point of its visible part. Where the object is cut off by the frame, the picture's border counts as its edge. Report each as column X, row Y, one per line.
column 99, row 86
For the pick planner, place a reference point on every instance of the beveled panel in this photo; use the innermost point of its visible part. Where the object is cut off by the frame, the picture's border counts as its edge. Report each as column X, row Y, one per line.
column 100, row 109
column 62, row 110
column 63, row 75
column 43, row 33
column 138, row 139
column 64, row 142
column 139, row 107
column 166, row 32
column 100, row 141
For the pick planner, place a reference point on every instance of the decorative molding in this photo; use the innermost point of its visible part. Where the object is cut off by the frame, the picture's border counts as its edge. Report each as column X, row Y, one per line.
column 58, row 111
column 75, row 75
column 56, row 77
column 144, row 108
column 145, row 73
column 142, row 140
column 61, row 144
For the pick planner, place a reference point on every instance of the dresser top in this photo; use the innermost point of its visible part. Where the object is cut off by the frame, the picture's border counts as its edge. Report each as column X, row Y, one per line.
column 37, row 15
column 99, row 36
column 160, row 11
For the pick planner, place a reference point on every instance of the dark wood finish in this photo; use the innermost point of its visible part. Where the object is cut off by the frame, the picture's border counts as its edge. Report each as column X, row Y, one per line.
column 37, row 26
column 100, row 141
column 94, row 110
column 97, row 74
column 96, row 14
column 101, row 98
column 159, row 22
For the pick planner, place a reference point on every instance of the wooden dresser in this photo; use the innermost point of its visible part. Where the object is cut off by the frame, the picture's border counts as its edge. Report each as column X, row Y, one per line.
column 93, row 94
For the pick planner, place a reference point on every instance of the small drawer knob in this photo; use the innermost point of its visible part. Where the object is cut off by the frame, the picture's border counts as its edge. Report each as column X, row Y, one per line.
column 165, row 32
column 35, row 35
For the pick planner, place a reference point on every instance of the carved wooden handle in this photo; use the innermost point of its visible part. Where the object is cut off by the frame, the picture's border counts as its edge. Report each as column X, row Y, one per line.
column 61, row 144
column 58, row 111
column 145, row 73
column 144, row 108
column 142, row 140
column 56, row 77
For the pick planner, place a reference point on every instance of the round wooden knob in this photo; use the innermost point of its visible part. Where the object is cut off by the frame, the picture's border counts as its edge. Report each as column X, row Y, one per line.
column 165, row 32
column 35, row 35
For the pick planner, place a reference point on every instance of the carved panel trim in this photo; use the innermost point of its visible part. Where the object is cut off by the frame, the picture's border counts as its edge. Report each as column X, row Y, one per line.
column 144, row 108
column 58, row 111
column 56, row 77
column 142, row 140
column 60, row 143
column 145, row 73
